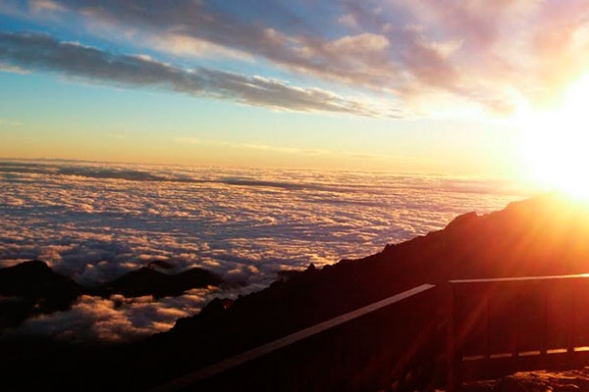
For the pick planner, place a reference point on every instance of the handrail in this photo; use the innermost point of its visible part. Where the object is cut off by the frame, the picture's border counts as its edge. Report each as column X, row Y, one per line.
column 409, row 332
column 519, row 278
column 227, row 364
column 497, row 326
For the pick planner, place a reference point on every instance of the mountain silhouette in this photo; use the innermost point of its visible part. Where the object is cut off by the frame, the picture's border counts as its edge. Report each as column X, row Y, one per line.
column 147, row 281
column 32, row 288
column 34, row 280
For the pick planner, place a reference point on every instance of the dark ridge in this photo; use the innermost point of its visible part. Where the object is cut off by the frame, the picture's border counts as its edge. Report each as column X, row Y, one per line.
column 34, row 280
column 160, row 264
column 216, row 306
column 147, row 281
column 14, row 310
column 33, row 288
column 288, row 274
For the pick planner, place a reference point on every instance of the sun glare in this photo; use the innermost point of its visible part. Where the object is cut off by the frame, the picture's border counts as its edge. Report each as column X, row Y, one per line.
column 555, row 142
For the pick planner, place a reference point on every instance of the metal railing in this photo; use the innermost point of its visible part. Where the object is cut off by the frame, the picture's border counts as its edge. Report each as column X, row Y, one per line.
column 499, row 326
column 370, row 348
column 427, row 336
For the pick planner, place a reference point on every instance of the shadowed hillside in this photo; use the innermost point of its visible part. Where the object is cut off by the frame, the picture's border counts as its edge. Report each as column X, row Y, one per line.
column 545, row 235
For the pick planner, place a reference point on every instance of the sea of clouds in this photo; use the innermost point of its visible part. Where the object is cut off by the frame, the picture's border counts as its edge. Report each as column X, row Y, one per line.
column 95, row 222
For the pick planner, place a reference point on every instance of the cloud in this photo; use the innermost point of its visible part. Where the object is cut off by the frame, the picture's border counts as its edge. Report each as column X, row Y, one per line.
column 282, row 149
column 491, row 53
column 534, row 49
column 39, row 5
column 42, row 52
column 348, row 20
column 12, row 69
column 92, row 223
column 488, row 54
column 9, row 124
column 114, row 319
column 205, row 22
column 363, row 60
column 182, row 45
column 367, row 43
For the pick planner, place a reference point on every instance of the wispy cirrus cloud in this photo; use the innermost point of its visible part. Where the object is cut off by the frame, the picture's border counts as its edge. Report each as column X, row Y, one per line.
column 9, row 123
column 42, row 52
column 412, row 55
column 492, row 54
column 282, row 149
column 12, row 68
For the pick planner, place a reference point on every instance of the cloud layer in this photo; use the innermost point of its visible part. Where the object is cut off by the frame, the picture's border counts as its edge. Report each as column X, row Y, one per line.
column 115, row 319
column 410, row 54
column 96, row 222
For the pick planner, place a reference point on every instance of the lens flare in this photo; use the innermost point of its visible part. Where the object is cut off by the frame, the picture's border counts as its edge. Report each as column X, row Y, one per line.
column 555, row 143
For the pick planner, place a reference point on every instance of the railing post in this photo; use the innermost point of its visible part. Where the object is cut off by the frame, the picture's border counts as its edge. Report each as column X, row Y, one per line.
column 488, row 326
column 515, row 324
column 571, row 324
column 453, row 376
column 544, row 320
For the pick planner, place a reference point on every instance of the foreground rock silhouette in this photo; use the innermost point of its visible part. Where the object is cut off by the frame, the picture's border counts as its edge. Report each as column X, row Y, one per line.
column 545, row 235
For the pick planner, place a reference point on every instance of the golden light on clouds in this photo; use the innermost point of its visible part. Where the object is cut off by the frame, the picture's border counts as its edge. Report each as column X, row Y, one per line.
column 555, row 141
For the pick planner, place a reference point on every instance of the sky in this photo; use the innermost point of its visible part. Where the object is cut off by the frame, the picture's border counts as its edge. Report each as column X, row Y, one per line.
column 430, row 86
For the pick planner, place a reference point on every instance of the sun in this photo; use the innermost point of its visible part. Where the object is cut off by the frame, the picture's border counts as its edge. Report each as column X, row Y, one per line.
column 555, row 142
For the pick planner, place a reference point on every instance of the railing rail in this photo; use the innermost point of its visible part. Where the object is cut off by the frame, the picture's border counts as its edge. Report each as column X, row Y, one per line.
column 498, row 326
column 473, row 329
column 331, row 352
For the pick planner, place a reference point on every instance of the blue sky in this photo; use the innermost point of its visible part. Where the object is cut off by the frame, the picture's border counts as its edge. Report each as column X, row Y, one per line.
column 407, row 86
